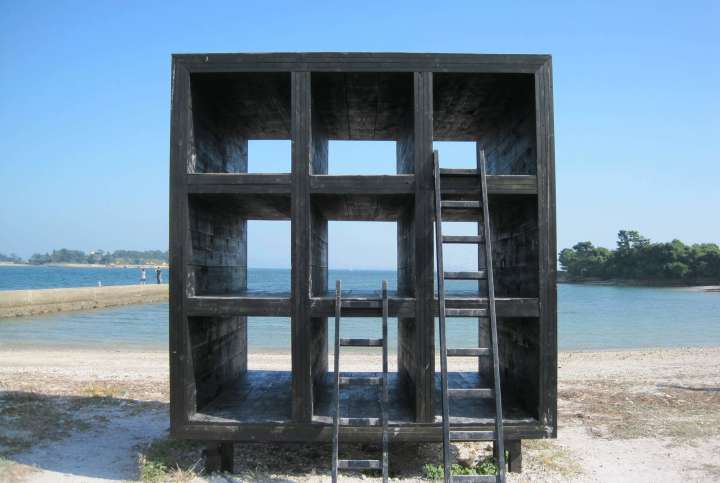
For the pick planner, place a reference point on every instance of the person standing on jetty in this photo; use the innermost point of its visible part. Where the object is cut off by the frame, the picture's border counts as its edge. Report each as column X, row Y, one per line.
column 143, row 276
column 158, row 274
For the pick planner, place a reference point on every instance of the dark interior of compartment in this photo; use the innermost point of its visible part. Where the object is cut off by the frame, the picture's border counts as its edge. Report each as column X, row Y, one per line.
column 520, row 363
column 364, row 401
column 519, row 374
column 496, row 110
column 223, row 386
column 218, row 262
column 364, row 106
column 219, row 355
column 228, row 109
column 218, row 230
column 514, row 227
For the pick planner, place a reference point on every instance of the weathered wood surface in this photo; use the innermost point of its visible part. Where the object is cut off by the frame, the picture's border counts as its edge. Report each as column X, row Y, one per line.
column 362, row 62
column 363, row 184
column 274, row 304
column 221, row 101
column 301, row 259
column 199, row 427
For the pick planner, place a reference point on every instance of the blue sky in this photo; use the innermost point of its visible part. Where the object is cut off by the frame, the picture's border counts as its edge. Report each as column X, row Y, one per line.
column 85, row 93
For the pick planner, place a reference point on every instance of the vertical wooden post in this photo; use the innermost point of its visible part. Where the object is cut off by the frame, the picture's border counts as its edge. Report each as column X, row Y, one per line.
column 182, row 401
column 407, row 326
column 514, row 449
column 424, row 249
column 300, row 233
column 547, row 247
column 219, row 457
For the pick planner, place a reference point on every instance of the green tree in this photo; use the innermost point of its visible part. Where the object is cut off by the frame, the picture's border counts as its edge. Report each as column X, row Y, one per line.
column 638, row 258
column 585, row 260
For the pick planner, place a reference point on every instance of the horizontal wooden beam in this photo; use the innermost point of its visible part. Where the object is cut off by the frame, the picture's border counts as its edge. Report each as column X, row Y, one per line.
column 506, row 307
column 202, row 427
column 503, row 184
column 239, row 183
column 362, row 62
column 361, row 184
column 361, row 306
column 238, row 305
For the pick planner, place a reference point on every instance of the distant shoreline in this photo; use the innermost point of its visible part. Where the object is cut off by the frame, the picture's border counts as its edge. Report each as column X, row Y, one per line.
column 700, row 286
column 86, row 265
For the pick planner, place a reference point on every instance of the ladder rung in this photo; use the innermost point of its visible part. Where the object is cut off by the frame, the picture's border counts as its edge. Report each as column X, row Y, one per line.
column 460, row 204
column 359, row 464
column 458, row 171
column 361, row 342
column 469, row 352
column 479, row 275
column 472, row 435
column 462, row 239
column 360, row 381
column 478, row 478
column 481, row 393
column 360, row 422
column 466, row 312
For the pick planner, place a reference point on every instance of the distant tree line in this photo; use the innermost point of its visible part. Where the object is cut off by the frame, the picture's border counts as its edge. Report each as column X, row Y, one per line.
column 118, row 257
column 637, row 258
column 10, row 258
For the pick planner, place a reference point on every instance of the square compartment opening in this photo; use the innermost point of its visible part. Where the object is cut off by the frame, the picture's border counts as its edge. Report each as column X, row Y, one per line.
column 362, row 254
column 514, row 236
column 363, row 401
column 242, row 369
column 495, row 110
column 235, row 250
column 363, row 106
column 229, row 110
column 519, row 370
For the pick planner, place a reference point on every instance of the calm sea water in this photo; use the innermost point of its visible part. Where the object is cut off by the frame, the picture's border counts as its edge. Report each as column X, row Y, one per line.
column 22, row 277
column 590, row 316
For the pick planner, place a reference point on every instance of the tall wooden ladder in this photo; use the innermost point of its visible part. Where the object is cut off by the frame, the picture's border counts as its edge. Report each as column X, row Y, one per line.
column 382, row 382
column 481, row 274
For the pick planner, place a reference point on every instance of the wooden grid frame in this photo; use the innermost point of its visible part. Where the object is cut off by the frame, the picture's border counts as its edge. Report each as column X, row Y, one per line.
column 305, row 303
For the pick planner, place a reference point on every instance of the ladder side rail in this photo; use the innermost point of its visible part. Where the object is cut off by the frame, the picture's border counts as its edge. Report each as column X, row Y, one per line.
column 384, row 402
column 483, row 323
column 441, row 316
column 493, row 320
column 336, row 415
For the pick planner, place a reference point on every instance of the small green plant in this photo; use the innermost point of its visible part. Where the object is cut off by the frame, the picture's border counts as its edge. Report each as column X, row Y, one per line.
column 485, row 467
column 152, row 471
column 169, row 460
column 488, row 466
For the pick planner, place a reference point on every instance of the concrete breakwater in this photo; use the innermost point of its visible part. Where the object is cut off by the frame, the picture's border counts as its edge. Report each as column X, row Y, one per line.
column 18, row 303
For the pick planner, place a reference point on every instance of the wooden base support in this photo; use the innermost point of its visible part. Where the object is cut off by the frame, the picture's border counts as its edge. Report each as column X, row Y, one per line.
column 219, row 457
column 513, row 447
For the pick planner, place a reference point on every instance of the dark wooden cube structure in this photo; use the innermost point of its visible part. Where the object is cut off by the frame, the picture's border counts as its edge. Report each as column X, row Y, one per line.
column 221, row 101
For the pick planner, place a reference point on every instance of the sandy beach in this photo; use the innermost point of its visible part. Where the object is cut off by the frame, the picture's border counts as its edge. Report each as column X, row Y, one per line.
column 91, row 415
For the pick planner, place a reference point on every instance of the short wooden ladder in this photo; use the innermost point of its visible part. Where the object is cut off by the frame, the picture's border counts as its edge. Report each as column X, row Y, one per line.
column 382, row 382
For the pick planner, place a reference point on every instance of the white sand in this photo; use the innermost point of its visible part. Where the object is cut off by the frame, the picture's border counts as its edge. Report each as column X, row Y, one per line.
column 640, row 415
